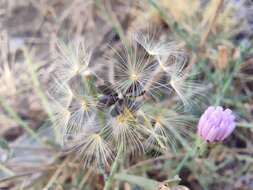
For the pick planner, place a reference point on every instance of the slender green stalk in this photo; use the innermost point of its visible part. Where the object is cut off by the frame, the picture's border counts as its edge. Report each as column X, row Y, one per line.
column 177, row 29
column 114, row 168
column 6, row 170
column 244, row 125
column 229, row 79
column 38, row 89
column 36, row 83
column 19, row 121
column 189, row 154
column 200, row 149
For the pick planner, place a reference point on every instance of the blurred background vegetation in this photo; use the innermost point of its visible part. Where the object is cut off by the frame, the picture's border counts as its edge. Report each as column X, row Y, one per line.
column 217, row 35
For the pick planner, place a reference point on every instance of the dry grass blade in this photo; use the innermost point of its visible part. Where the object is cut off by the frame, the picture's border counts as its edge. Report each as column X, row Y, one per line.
column 210, row 19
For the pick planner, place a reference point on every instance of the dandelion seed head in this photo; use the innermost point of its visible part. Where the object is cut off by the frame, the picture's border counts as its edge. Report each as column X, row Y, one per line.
column 132, row 71
column 157, row 47
column 60, row 92
column 84, row 105
column 119, row 103
column 173, row 83
column 87, row 73
column 97, row 137
column 189, row 91
column 77, row 105
column 91, row 146
column 61, row 117
column 126, row 131
column 72, row 60
column 120, row 95
column 125, row 116
column 158, row 119
column 81, row 111
column 168, row 129
column 134, row 76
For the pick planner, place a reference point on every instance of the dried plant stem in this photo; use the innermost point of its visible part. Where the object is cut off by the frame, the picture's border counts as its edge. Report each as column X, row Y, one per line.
column 151, row 161
column 228, row 81
column 211, row 21
column 14, row 177
column 6, row 170
column 107, row 11
column 19, row 121
column 56, row 174
column 85, row 178
column 114, row 168
column 177, row 29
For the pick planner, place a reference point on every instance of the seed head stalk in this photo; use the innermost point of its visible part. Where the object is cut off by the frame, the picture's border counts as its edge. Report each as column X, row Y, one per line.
column 114, row 168
column 90, row 85
column 200, row 149
column 190, row 154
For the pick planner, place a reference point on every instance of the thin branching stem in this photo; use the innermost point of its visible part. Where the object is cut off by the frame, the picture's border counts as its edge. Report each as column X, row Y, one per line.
column 114, row 168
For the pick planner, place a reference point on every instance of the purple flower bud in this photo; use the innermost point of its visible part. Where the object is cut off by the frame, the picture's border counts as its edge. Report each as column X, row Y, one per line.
column 216, row 124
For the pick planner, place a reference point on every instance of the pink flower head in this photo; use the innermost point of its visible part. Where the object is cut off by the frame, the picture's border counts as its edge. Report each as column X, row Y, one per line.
column 216, row 124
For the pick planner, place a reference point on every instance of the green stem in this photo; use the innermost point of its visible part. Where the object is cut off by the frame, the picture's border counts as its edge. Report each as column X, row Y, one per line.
column 189, row 154
column 37, row 87
column 228, row 81
column 19, row 121
column 36, row 83
column 244, row 125
column 114, row 168
column 200, row 149
column 177, row 29
column 6, row 170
